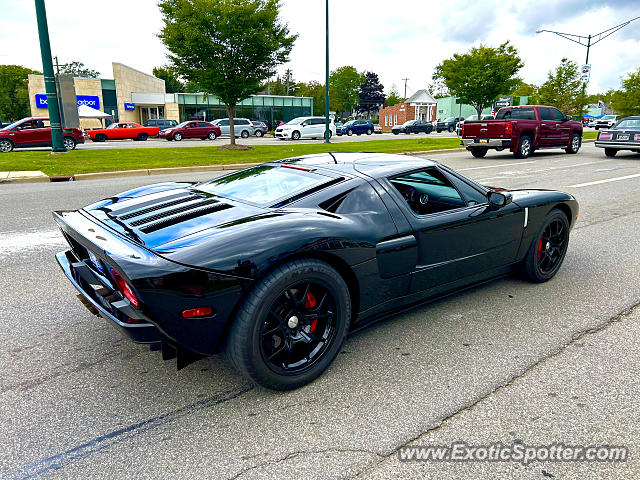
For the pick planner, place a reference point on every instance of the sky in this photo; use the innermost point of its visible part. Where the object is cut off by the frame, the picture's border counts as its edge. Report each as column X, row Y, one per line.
column 396, row 40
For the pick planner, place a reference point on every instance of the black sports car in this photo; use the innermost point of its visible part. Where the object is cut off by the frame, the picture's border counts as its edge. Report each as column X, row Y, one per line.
column 413, row 126
column 276, row 263
column 624, row 135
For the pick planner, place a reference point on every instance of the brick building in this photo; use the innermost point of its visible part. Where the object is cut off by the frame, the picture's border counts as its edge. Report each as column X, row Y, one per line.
column 420, row 106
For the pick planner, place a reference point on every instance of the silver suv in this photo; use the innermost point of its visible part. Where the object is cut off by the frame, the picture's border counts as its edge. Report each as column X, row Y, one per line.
column 242, row 127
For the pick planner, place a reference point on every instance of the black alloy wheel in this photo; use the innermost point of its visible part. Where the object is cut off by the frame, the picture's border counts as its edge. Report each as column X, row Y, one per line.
column 548, row 248
column 291, row 325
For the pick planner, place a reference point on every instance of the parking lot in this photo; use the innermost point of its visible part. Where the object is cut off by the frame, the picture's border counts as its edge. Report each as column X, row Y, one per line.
column 507, row 361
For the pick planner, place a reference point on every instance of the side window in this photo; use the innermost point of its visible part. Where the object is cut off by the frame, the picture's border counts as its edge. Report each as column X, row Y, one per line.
column 203, row 124
column 427, row 191
column 224, row 123
column 545, row 114
column 557, row 115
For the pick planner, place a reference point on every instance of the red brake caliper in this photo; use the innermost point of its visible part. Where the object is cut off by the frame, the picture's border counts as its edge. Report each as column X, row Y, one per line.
column 310, row 302
column 540, row 248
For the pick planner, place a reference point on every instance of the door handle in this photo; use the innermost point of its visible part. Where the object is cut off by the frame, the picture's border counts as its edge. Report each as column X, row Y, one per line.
column 543, row 124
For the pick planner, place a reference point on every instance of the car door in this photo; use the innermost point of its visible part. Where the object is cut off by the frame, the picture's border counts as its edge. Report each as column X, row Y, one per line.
column 224, row 127
column 563, row 127
column 27, row 133
column 458, row 235
column 203, row 129
column 547, row 131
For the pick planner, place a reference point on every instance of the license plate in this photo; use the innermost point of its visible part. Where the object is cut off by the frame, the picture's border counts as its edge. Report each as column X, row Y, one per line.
column 483, row 140
column 623, row 137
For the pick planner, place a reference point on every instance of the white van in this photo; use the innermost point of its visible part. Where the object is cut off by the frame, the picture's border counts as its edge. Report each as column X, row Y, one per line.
column 242, row 127
column 304, row 127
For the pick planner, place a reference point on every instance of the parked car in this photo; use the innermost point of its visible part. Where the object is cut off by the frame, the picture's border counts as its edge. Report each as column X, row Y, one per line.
column 355, row 126
column 304, row 127
column 242, row 127
column 413, row 126
column 625, row 135
column 123, row 131
column 471, row 118
column 162, row 123
column 522, row 130
column 377, row 128
column 260, row 128
column 191, row 129
column 35, row 132
column 607, row 121
column 277, row 263
column 448, row 124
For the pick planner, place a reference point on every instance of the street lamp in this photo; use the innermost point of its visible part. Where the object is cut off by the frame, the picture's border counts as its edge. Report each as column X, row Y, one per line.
column 579, row 39
column 327, row 132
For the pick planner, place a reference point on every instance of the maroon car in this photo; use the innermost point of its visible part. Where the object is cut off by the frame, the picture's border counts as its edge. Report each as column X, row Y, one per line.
column 522, row 130
column 35, row 132
column 191, row 129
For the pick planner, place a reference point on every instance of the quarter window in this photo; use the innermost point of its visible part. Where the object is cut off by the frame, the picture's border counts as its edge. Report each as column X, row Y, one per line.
column 427, row 191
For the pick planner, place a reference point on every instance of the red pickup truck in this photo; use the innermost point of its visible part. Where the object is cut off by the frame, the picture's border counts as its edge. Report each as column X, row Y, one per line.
column 522, row 130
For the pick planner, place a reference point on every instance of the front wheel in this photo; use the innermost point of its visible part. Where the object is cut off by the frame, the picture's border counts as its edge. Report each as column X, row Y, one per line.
column 177, row 136
column 291, row 325
column 369, row 131
column 450, row 129
column 69, row 143
column 548, row 248
column 610, row 152
column 574, row 146
column 212, row 135
column 349, row 133
column 295, row 135
column 259, row 133
column 244, row 134
column 479, row 152
column 524, row 147
column 6, row 145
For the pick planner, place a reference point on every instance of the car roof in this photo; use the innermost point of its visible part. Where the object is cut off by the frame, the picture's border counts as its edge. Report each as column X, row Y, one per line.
column 374, row 165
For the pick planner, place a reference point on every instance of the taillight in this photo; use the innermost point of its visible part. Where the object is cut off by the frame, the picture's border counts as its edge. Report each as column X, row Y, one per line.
column 124, row 287
column 508, row 128
column 197, row 312
column 462, row 130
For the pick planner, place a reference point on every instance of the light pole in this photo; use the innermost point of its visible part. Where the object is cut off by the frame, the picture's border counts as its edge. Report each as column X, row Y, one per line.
column 57, row 142
column 327, row 132
column 579, row 39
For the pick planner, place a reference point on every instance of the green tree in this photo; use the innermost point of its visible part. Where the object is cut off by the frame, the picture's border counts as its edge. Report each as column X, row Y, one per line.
column 564, row 89
column 172, row 83
column 227, row 47
column 524, row 90
column 371, row 94
column 14, row 94
column 626, row 101
column 77, row 69
column 393, row 97
column 289, row 83
column 316, row 91
column 344, row 85
column 481, row 74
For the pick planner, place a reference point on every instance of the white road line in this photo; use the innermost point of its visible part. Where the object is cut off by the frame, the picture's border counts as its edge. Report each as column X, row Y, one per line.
column 491, row 166
column 598, row 182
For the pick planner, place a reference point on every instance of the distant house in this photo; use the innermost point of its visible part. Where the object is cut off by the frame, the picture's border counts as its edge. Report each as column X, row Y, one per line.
column 420, row 106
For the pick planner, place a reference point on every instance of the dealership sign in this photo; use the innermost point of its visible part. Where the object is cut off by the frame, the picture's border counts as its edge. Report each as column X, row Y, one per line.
column 585, row 72
column 88, row 100
column 129, row 106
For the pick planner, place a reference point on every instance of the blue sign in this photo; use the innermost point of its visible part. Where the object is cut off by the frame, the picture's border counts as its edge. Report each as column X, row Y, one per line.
column 89, row 100
column 129, row 106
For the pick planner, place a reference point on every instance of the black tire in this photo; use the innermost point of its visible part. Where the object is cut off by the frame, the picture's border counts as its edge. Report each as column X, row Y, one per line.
column 259, row 133
column 610, row 152
column 244, row 133
column 574, row 145
column 101, row 137
column 407, row 131
column 546, row 254
column 177, row 136
column 143, row 137
column 450, row 129
column 524, row 147
column 597, row 128
column 250, row 349
column 395, row 132
column 212, row 135
column 69, row 143
column 369, row 131
column 479, row 152
column 349, row 132
column 295, row 135
column 6, row 145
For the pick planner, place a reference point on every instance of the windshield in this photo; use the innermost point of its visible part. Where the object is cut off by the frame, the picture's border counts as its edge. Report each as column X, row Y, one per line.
column 630, row 123
column 410, row 122
column 448, row 120
column 183, row 124
column 295, row 121
column 263, row 184
column 350, row 122
column 609, row 117
column 472, row 117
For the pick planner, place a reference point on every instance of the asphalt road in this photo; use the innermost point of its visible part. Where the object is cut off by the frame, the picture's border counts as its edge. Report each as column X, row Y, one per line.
column 505, row 362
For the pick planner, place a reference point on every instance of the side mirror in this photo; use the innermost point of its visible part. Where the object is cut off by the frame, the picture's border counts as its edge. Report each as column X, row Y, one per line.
column 497, row 200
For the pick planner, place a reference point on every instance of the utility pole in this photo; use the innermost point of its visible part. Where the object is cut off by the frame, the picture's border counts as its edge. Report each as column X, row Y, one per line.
column 327, row 132
column 57, row 142
column 405, row 86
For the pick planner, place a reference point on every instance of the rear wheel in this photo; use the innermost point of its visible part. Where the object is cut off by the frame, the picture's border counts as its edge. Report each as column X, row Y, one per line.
column 69, row 143
column 574, row 146
column 548, row 248
column 177, row 136
column 259, row 133
column 143, row 137
column 6, row 145
column 479, row 152
column 524, row 147
column 291, row 326
column 610, row 152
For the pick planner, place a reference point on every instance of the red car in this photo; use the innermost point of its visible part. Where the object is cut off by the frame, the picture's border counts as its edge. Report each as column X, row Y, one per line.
column 191, row 129
column 35, row 132
column 123, row 131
